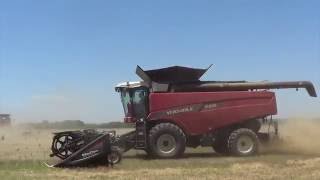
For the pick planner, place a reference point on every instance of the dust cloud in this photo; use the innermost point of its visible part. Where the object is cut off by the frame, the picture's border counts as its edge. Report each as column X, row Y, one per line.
column 298, row 136
column 20, row 143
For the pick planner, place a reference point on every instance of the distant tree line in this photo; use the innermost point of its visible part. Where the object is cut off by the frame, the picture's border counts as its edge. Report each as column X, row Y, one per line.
column 75, row 124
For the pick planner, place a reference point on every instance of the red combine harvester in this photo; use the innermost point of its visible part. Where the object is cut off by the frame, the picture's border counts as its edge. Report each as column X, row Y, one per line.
column 172, row 109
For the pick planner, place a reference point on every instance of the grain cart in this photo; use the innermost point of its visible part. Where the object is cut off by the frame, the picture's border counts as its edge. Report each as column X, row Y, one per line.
column 172, row 109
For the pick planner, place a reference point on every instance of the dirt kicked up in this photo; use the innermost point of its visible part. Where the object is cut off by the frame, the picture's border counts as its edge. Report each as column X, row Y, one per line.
column 23, row 151
column 299, row 136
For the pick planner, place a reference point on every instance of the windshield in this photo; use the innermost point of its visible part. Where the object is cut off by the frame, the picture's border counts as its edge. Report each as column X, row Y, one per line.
column 134, row 102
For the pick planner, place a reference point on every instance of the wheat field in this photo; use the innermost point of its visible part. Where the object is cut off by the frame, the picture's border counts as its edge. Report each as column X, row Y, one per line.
column 23, row 151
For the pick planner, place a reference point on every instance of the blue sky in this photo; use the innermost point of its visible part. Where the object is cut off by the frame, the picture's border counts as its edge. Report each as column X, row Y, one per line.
column 61, row 59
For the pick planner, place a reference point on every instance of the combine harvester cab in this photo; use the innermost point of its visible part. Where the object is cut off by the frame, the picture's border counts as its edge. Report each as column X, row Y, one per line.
column 172, row 109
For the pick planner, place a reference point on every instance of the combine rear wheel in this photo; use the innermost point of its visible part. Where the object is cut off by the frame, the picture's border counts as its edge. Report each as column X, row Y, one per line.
column 243, row 142
column 166, row 140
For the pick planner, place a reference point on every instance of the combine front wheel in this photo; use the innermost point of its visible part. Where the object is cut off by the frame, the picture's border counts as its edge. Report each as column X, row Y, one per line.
column 167, row 140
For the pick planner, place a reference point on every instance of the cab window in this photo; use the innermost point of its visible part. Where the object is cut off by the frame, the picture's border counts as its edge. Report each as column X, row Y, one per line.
column 139, row 103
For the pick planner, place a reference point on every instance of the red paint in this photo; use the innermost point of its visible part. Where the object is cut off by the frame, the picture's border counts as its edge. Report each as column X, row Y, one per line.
column 231, row 107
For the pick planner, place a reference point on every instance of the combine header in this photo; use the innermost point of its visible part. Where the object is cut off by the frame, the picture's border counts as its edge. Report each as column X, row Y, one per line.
column 172, row 109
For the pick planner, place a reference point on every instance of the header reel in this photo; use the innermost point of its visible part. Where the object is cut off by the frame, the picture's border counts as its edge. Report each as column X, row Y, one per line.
column 80, row 148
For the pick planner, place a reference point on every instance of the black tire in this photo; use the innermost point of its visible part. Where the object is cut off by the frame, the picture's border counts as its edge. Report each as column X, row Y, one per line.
column 114, row 157
column 220, row 146
column 243, row 142
column 166, row 140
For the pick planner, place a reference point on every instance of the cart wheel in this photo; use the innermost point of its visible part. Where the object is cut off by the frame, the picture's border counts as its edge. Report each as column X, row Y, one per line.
column 114, row 157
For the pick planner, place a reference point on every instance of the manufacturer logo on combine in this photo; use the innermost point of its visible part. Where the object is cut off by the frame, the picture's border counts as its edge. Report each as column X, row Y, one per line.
column 177, row 111
column 90, row 153
column 210, row 106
